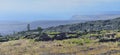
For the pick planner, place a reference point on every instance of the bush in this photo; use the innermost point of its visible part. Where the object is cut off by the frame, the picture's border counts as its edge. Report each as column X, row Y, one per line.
column 52, row 33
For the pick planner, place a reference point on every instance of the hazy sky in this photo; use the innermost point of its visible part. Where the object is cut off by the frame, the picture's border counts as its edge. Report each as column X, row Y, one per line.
column 31, row 10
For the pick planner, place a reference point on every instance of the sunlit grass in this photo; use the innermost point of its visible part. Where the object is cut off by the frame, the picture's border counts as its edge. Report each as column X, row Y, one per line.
column 29, row 47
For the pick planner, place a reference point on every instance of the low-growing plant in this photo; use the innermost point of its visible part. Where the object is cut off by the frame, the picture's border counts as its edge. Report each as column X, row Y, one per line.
column 118, row 35
column 118, row 43
column 52, row 32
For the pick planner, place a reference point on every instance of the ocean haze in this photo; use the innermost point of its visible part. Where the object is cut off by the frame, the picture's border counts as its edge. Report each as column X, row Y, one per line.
column 9, row 27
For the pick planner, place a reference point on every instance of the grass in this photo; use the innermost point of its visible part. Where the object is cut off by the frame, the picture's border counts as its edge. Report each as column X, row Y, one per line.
column 78, row 41
column 52, row 32
column 118, row 35
column 65, row 47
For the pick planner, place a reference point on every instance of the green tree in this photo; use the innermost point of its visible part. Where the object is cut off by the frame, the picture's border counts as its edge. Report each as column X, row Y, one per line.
column 40, row 30
column 28, row 27
column 1, row 35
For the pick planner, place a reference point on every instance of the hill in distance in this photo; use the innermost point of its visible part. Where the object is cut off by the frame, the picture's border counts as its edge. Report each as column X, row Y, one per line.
column 95, row 17
column 8, row 27
column 111, row 24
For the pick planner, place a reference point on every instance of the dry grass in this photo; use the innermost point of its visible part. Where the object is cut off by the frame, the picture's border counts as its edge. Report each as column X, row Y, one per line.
column 29, row 47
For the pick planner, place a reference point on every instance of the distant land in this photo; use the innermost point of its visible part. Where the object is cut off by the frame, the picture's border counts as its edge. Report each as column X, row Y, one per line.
column 8, row 27
column 95, row 17
column 98, row 25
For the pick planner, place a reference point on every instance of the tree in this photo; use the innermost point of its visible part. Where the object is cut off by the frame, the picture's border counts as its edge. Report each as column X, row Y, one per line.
column 28, row 27
column 1, row 35
column 40, row 30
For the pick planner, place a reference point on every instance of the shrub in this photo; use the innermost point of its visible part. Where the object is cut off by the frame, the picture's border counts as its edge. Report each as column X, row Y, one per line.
column 52, row 32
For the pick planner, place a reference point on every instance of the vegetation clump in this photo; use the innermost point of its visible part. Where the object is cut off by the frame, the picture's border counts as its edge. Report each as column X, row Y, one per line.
column 78, row 41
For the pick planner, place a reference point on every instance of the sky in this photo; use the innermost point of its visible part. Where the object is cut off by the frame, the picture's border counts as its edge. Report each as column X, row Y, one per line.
column 32, row 10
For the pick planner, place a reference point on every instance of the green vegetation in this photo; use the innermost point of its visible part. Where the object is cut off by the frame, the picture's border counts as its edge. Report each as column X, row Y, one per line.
column 40, row 30
column 72, row 35
column 102, row 35
column 28, row 27
column 52, row 32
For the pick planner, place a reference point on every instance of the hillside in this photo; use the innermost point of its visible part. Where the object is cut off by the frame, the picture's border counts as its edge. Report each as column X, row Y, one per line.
column 111, row 24
column 60, row 25
column 95, row 17
column 50, row 23
column 22, row 26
